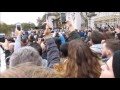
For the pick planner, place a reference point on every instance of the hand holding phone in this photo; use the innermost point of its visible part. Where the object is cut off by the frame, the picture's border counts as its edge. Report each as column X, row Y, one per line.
column 63, row 18
column 18, row 27
column 18, row 32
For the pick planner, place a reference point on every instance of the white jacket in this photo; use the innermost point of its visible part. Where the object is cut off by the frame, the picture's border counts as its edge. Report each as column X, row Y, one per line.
column 2, row 60
column 97, row 48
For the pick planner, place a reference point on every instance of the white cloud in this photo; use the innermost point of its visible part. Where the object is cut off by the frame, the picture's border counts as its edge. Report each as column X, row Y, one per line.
column 15, row 17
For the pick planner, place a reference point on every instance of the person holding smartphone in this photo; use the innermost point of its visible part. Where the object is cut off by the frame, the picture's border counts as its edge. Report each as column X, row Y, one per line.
column 18, row 27
column 51, row 52
column 73, row 33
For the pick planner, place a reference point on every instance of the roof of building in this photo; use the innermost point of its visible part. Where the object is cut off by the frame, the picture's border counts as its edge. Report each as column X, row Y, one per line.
column 107, row 17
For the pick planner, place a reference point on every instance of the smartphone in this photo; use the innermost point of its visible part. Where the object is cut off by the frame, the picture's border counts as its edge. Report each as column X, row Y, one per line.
column 63, row 18
column 18, row 27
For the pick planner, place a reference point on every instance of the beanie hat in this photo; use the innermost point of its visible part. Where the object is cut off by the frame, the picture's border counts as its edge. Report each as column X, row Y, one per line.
column 116, row 64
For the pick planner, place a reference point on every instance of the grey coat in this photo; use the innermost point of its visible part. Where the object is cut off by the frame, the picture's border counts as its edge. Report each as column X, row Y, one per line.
column 53, row 55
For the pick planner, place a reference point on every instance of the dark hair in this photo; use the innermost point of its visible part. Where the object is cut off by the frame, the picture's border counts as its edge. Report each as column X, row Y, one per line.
column 64, row 49
column 116, row 64
column 36, row 27
column 31, row 39
column 57, row 35
column 40, row 36
column 24, row 39
column 96, row 37
column 37, row 47
column 113, row 44
column 108, row 35
column 58, row 42
column 8, row 38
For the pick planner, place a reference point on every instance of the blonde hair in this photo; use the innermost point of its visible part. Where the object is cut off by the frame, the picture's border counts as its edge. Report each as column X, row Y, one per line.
column 28, row 70
column 60, row 67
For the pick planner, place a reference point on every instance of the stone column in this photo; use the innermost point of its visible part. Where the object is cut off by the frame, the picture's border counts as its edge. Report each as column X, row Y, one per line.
column 50, row 19
column 77, row 21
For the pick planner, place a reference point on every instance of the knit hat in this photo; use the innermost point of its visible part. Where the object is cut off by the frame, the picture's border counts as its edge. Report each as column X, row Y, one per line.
column 116, row 64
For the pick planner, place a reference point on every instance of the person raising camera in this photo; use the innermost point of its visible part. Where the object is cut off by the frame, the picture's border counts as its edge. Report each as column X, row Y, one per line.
column 73, row 34
column 51, row 52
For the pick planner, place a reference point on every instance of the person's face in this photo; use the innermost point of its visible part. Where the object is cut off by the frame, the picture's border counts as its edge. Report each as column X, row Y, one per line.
column 105, row 51
column 107, row 70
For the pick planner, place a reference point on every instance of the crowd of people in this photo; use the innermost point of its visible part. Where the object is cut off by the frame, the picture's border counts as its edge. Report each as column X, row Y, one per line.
column 68, row 54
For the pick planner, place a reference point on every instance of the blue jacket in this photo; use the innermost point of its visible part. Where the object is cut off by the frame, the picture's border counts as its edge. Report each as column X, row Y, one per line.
column 62, row 39
column 82, row 34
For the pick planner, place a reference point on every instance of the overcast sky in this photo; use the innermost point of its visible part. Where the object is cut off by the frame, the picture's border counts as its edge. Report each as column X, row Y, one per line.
column 15, row 17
